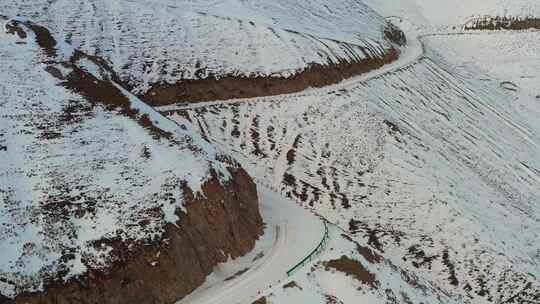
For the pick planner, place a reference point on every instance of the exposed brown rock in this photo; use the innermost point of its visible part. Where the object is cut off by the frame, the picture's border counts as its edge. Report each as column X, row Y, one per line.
column 224, row 222
column 44, row 38
column 394, row 34
column 452, row 277
column 261, row 300
column 353, row 268
column 370, row 255
column 419, row 257
column 228, row 87
column 13, row 28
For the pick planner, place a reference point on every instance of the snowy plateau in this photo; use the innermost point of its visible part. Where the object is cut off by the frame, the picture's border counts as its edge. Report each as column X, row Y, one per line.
column 269, row 152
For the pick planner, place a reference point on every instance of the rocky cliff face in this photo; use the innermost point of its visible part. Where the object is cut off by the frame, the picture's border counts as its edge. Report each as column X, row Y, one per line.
column 223, row 222
column 103, row 200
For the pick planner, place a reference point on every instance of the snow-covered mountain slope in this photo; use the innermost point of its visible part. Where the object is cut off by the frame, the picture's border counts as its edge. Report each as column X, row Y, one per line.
column 164, row 42
column 511, row 57
column 84, row 165
column 432, row 164
column 450, row 13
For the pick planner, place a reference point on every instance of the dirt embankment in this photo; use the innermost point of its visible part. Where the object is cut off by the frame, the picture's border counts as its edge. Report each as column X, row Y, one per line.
column 224, row 221
column 229, row 87
column 503, row 23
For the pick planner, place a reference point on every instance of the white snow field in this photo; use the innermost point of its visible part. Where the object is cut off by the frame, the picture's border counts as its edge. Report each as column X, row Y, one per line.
column 151, row 42
column 61, row 152
column 510, row 57
column 446, row 14
column 431, row 163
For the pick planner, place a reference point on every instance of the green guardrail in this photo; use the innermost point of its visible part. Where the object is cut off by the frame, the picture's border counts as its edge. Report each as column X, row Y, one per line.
column 313, row 253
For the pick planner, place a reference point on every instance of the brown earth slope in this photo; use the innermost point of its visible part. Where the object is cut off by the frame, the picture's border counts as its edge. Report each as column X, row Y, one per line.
column 225, row 222
column 229, row 87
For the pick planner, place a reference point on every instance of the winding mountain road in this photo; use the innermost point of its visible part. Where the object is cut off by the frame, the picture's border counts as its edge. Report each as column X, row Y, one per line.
column 292, row 232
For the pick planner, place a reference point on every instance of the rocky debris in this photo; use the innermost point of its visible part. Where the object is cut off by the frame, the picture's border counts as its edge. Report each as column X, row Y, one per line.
column 314, row 75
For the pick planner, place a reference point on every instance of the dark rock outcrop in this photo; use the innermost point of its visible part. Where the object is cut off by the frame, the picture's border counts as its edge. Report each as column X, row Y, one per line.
column 394, row 34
